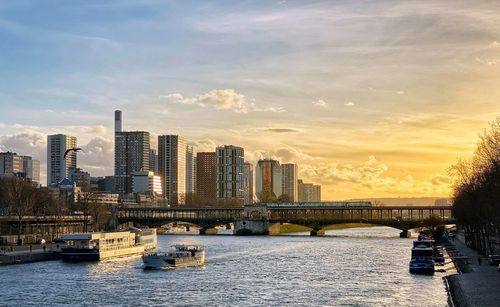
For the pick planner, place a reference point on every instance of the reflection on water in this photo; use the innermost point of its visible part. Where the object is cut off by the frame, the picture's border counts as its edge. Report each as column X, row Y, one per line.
column 360, row 266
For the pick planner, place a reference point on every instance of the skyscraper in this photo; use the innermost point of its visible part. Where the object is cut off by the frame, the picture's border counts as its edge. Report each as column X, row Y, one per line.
column 230, row 161
column 31, row 168
column 268, row 179
column 172, row 167
column 290, row 181
column 131, row 155
column 59, row 167
column 206, row 177
column 153, row 161
column 248, row 182
column 190, row 170
column 11, row 163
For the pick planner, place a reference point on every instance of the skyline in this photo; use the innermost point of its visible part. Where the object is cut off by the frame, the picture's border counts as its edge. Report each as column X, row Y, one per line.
column 380, row 105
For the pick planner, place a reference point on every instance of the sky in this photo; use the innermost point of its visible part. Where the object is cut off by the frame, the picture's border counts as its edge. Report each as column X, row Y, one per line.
column 369, row 98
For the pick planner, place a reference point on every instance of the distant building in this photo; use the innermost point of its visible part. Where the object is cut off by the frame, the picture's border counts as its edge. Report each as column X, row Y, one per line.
column 146, row 182
column 248, row 183
column 190, row 170
column 206, row 177
column 442, row 202
column 172, row 167
column 31, row 168
column 153, row 161
column 229, row 172
column 290, row 181
column 131, row 155
column 80, row 178
column 268, row 180
column 11, row 163
column 59, row 167
column 309, row 192
column 106, row 184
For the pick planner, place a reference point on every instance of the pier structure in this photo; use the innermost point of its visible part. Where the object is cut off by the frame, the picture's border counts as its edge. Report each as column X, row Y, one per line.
column 258, row 219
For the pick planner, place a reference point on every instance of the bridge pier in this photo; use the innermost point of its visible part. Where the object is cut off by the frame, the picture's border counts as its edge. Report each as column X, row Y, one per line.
column 405, row 234
column 317, row 232
column 251, row 227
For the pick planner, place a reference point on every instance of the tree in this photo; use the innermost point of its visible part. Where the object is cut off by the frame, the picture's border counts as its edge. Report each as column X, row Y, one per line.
column 477, row 190
column 19, row 197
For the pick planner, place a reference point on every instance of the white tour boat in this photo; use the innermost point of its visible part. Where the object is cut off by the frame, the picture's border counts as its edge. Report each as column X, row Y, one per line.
column 104, row 245
column 178, row 256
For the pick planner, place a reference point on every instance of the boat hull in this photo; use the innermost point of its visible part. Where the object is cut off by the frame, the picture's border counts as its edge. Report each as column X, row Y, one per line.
column 426, row 268
column 79, row 254
column 166, row 262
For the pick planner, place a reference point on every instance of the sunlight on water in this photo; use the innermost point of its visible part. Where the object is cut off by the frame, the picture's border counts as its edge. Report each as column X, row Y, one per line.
column 362, row 266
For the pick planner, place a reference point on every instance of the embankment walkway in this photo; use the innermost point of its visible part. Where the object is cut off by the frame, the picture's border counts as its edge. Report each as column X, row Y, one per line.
column 481, row 287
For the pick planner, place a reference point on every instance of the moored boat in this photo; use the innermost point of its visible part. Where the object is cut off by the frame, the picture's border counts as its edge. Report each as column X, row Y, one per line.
column 178, row 256
column 422, row 257
column 105, row 245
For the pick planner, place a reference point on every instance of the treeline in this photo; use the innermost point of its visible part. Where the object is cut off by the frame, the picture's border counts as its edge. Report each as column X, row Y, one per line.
column 476, row 204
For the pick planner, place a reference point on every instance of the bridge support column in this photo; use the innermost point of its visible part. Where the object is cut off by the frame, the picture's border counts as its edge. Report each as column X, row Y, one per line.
column 317, row 232
column 405, row 234
column 208, row 231
column 251, row 227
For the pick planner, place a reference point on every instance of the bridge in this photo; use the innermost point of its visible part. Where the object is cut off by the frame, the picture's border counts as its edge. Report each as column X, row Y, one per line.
column 256, row 219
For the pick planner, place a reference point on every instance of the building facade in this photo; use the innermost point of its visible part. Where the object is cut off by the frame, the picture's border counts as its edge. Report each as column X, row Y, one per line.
column 190, row 170
column 290, row 181
column 153, row 161
column 58, row 166
column 229, row 172
column 146, row 182
column 309, row 192
column 11, row 163
column 206, row 176
column 172, row 167
column 268, row 180
column 131, row 155
column 248, row 183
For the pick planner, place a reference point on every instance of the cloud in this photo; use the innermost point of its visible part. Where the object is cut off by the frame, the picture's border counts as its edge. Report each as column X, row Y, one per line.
column 372, row 177
column 320, row 103
column 226, row 99
column 281, row 130
column 97, row 157
column 400, row 92
column 349, row 104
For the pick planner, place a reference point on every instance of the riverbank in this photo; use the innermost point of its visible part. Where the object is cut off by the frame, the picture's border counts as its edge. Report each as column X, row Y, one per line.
column 479, row 286
column 23, row 254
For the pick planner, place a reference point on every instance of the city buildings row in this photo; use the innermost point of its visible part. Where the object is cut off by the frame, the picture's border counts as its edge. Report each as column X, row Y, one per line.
column 12, row 164
column 172, row 172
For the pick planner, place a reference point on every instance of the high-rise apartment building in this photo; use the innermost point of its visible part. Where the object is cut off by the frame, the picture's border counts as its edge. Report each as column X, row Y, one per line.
column 248, row 183
column 309, row 192
column 229, row 172
column 11, row 163
column 58, row 166
column 31, row 168
column 172, row 167
column 131, row 155
column 268, row 180
column 289, row 173
column 206, row 176
column 190, row 170
column 153, row 161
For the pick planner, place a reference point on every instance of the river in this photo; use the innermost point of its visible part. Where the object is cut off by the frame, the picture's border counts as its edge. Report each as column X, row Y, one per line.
column 360, row 267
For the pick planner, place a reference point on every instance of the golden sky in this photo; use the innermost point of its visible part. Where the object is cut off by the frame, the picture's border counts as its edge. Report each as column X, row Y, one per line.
column 370, row 99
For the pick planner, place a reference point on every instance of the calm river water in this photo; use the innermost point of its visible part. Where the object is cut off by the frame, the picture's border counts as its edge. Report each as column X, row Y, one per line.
column 360, row 267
